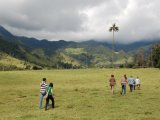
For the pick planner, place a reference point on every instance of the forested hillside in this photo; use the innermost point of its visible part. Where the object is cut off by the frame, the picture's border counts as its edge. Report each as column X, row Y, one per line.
column 67, row 54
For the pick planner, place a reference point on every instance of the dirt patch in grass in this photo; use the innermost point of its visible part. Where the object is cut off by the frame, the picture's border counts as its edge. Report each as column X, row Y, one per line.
column 23, row 96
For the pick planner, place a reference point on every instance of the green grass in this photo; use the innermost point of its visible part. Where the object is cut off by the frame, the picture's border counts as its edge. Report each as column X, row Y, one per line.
column 68, row 59
column 80, row 95
column 8, row 60
column 75, row 51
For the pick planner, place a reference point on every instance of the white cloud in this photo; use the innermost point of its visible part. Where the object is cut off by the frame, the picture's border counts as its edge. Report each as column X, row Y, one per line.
column 82, row 19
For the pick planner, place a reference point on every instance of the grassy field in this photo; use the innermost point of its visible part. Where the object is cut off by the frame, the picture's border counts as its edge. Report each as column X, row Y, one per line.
column 9, row 60
column 80, row 95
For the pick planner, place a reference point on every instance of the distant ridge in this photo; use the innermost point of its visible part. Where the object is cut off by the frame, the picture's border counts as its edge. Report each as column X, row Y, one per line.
column 33, row 42
column 68, row 54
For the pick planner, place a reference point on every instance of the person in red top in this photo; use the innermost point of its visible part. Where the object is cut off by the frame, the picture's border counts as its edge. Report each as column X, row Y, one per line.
column 112, row 82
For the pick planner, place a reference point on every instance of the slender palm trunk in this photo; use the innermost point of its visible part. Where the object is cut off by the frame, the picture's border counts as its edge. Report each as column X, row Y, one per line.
column 112, row 50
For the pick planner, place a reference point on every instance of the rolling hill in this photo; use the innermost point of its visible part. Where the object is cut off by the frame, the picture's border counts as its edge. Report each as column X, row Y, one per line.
column 66, row 54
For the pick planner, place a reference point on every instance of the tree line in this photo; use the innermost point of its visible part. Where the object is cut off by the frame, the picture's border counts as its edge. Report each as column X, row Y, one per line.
column 150, row 58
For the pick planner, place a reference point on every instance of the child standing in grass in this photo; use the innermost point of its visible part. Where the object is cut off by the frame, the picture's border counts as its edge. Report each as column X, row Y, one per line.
column 137, row 82
column 49, row 95
column 112, row 82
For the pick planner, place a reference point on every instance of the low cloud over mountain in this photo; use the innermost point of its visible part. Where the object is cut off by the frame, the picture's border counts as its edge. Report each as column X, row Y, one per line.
column 80, row 20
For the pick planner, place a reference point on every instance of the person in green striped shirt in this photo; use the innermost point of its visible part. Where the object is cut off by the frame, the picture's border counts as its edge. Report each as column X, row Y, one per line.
column 49, row 95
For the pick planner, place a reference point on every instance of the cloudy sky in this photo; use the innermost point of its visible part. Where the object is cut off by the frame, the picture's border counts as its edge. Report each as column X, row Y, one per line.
column 80, row 20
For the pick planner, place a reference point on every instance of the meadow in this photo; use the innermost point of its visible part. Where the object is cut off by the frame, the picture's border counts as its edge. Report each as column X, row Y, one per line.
column 82, row 94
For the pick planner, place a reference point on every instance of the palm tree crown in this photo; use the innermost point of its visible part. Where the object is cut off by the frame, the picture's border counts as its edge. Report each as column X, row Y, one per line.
column 114, row 28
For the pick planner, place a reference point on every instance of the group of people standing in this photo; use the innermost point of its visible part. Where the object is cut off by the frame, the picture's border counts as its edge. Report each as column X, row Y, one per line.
column 133, row 83
column 46, row 91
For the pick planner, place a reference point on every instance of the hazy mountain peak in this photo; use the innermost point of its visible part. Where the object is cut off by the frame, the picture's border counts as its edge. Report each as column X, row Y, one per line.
column 4, row 32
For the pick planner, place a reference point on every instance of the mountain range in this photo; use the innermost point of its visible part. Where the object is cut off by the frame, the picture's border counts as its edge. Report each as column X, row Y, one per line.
column 64, row 54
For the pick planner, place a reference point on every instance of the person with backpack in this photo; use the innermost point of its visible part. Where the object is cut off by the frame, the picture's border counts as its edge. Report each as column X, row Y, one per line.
column 43, row 86
column 49, row 95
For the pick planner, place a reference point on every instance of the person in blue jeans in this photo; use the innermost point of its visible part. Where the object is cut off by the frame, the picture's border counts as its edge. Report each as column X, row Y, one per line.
column 43, row 86
column 131, row 83
column 123, row 83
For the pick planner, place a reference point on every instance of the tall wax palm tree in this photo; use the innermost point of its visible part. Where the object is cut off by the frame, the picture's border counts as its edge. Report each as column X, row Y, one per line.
column 113, row 29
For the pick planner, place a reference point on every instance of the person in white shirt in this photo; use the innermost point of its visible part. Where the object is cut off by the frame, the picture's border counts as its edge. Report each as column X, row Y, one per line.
column 137, row 82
